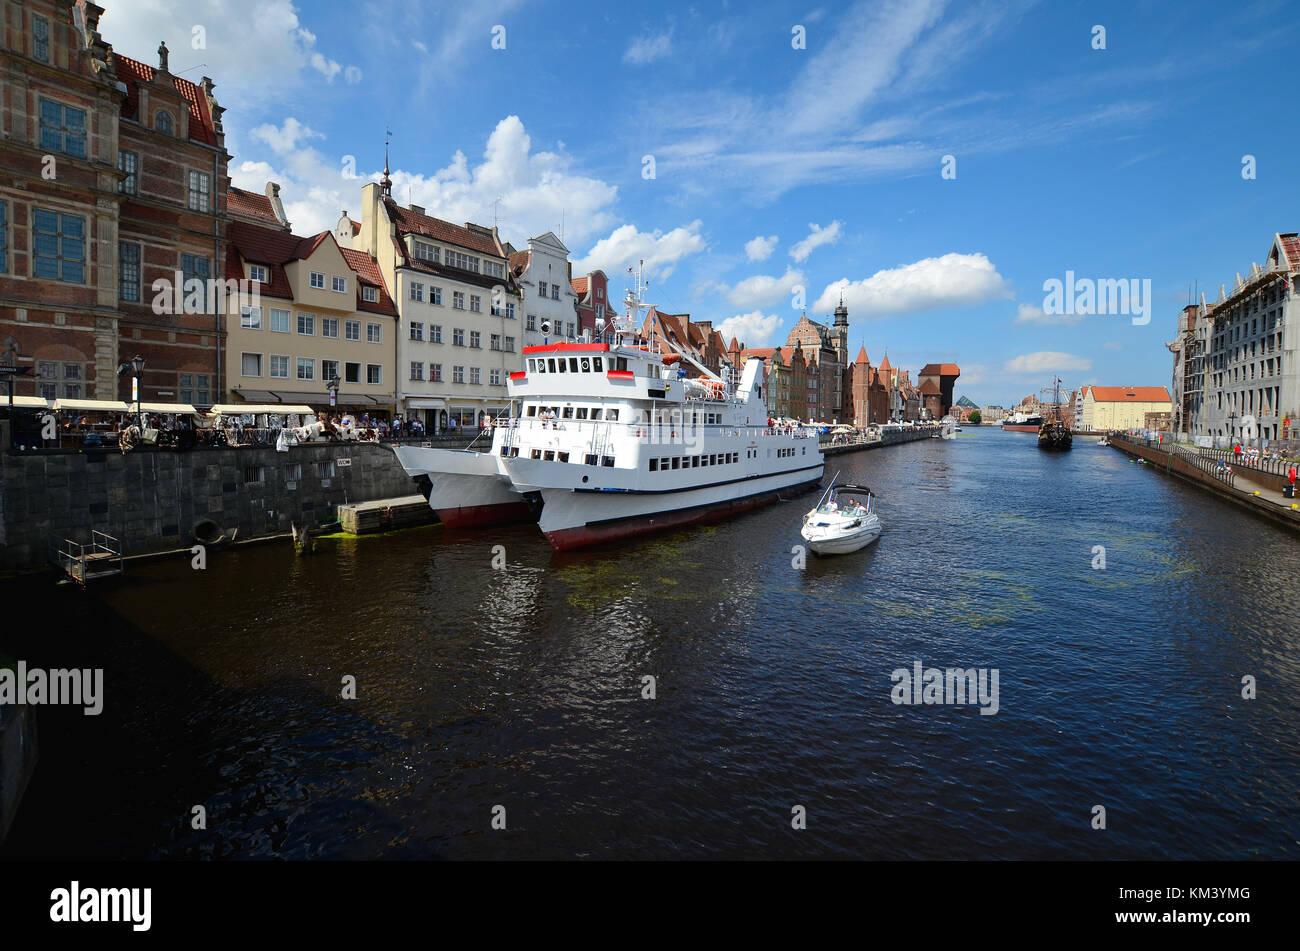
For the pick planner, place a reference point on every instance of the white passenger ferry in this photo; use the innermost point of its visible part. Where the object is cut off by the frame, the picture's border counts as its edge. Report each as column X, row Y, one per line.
column 608, row 441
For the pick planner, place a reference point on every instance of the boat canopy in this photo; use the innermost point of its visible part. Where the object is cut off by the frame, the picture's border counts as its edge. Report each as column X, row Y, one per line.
column 854, row 489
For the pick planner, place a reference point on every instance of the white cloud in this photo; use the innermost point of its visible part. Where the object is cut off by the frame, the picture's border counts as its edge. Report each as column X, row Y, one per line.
column 1034, row 314
column 754, row 329
column 245, row 62
column 1113, row 345
column 538, row 189
column 352, row 75
column 647, row 49
column 760, row 248
column 625, row 246
column 762, row 290
column 1031, row 364
column 948, row 281
column 817, row 236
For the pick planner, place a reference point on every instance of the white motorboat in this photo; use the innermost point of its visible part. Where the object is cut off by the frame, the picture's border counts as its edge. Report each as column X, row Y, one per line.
column 1103, row 441
column 838, row 526
column 948, row 427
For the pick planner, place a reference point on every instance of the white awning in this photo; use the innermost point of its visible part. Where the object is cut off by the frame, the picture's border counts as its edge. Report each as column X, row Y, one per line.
column 93, row 406
column 424, row 403
column 26, row 402
column 168, row 408
column 255, row 409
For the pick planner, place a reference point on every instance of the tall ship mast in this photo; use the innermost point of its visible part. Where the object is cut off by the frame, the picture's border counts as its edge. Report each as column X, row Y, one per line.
column 614, row 440
column 1054, row 433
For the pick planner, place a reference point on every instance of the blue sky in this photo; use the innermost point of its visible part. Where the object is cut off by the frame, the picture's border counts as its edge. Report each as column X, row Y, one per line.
column 1123, row 162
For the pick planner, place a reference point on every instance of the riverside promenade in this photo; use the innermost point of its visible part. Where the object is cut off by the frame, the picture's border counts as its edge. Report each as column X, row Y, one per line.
column 1257, row 490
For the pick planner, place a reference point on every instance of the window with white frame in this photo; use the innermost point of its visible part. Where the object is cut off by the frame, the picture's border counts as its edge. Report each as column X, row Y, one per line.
column 257, row 272
column 374, row 333
column 494, row 377
column 374, row 373
column 416, row 290
column 474, row 375
column 200, row 197
column 435, row 333
column 317, row 280
column 475, row 339
column 352, row 373
column 458, row 300
column 279, row 367
column 329, row 327
column 435, row 295
column 306, row 368
column 494, row 342
column 250, row 364
column 279, row 320
column 339, row 285
column 510, row 344
column 541, row 288
column 435, row 372
column 457, row 374
column 351, row 330
column 531, row 322
column 250, row 318
column 476, row 303
column 458, row 337
column 417, row 330
column 555, row 292
column 417, row 370
column 462, row 261
column 306, row 324
column 370, row 294
column 329, row 369
column 424, row 252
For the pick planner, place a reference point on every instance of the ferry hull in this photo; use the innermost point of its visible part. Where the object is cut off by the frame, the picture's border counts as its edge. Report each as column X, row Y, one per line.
column 466, row 489
column 578, row 519
column 1021, row 428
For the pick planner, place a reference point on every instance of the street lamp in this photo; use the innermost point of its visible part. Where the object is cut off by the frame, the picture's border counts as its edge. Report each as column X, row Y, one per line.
column 137, row 365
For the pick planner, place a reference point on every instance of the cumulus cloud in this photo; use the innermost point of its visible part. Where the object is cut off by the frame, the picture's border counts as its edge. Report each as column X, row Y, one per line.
column 352, row 75
column 760, row 248
column 763, row 290
column 647, row 49
column 626, row 245
column 1031, row 364
column 1113, row 345
column 817, row 236
column 948, row 281
column 754, row 329
column 538, row 189
column 1034, row 314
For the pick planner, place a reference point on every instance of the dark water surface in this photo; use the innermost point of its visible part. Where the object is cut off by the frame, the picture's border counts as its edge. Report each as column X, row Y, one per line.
column 522, row 687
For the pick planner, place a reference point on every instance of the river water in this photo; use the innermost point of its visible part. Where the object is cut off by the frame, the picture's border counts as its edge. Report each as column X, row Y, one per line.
column 522, row 688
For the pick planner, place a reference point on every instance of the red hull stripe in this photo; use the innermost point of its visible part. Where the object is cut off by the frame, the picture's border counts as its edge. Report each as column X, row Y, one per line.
column 1021, row 429
column 583, row 535
column 569, row 348
column 620, row 375
column 518, row 375
column 476, row 516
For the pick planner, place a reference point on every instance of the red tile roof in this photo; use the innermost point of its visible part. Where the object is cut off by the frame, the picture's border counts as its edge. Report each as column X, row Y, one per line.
column 368, row 274
column 862, row 355
column 579, row 285
column 412, row 222
column 356, row 227
column 133, row 72
column 251, row 205
column 929, row 388
column 255, row 244
column 885, row 367
column 940, row 369
column 1130, row 394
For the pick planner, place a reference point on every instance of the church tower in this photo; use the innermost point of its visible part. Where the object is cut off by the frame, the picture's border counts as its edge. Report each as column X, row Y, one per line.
column 844, row 383
column 842, row 332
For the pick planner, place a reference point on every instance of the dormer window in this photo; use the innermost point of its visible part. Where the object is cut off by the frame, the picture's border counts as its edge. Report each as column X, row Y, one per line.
column 256, row 272
column 162, row 122
column 370, row 294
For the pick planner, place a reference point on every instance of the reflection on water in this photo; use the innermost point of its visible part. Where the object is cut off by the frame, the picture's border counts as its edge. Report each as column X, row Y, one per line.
column 523, row 686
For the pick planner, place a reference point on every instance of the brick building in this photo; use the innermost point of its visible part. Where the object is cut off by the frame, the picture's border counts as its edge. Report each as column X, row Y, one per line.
column 592, row 303
column 115, row 176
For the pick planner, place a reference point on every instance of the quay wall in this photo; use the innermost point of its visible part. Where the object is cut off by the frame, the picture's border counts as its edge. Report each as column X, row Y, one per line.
column 1184, row 470
column 152, row 501
column 886, row 439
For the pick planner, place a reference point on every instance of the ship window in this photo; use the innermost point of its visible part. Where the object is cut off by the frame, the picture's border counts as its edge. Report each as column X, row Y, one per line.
column 663, row 464
column 596, row 364
column 532, row 411
column 654, row 465
column 590, row 460
column 568, row 412
column 805, row 451
column 573, row 364
column 563, row 365
column 686, row 462
column 514, row 452
column 612, row 414
column 535, row 454
column 548, row 456
column 621, row 363
column 695, row 462
column 676, row 463
column 586, row 365
column 607, row 461
column 532, row 364
column 713, row 459
column 564, row 457
column 595, row 413
column 551, row 361
column 505, row 450
column 582, row 412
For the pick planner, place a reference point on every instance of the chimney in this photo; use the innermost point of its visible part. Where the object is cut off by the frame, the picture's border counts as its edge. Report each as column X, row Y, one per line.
column 273, row 193
column 418, row 209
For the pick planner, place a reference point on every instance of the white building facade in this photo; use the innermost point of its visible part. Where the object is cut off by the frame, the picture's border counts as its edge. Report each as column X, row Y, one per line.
column 540, row 275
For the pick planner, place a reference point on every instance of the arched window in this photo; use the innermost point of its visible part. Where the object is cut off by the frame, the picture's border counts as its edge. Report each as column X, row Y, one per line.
column 162, row 121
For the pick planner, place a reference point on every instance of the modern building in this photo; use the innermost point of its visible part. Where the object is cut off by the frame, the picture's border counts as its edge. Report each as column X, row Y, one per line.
column 322, row 313
column 459, row 330
column 1235, row 372
column 1120, row 407
column 114, row 179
